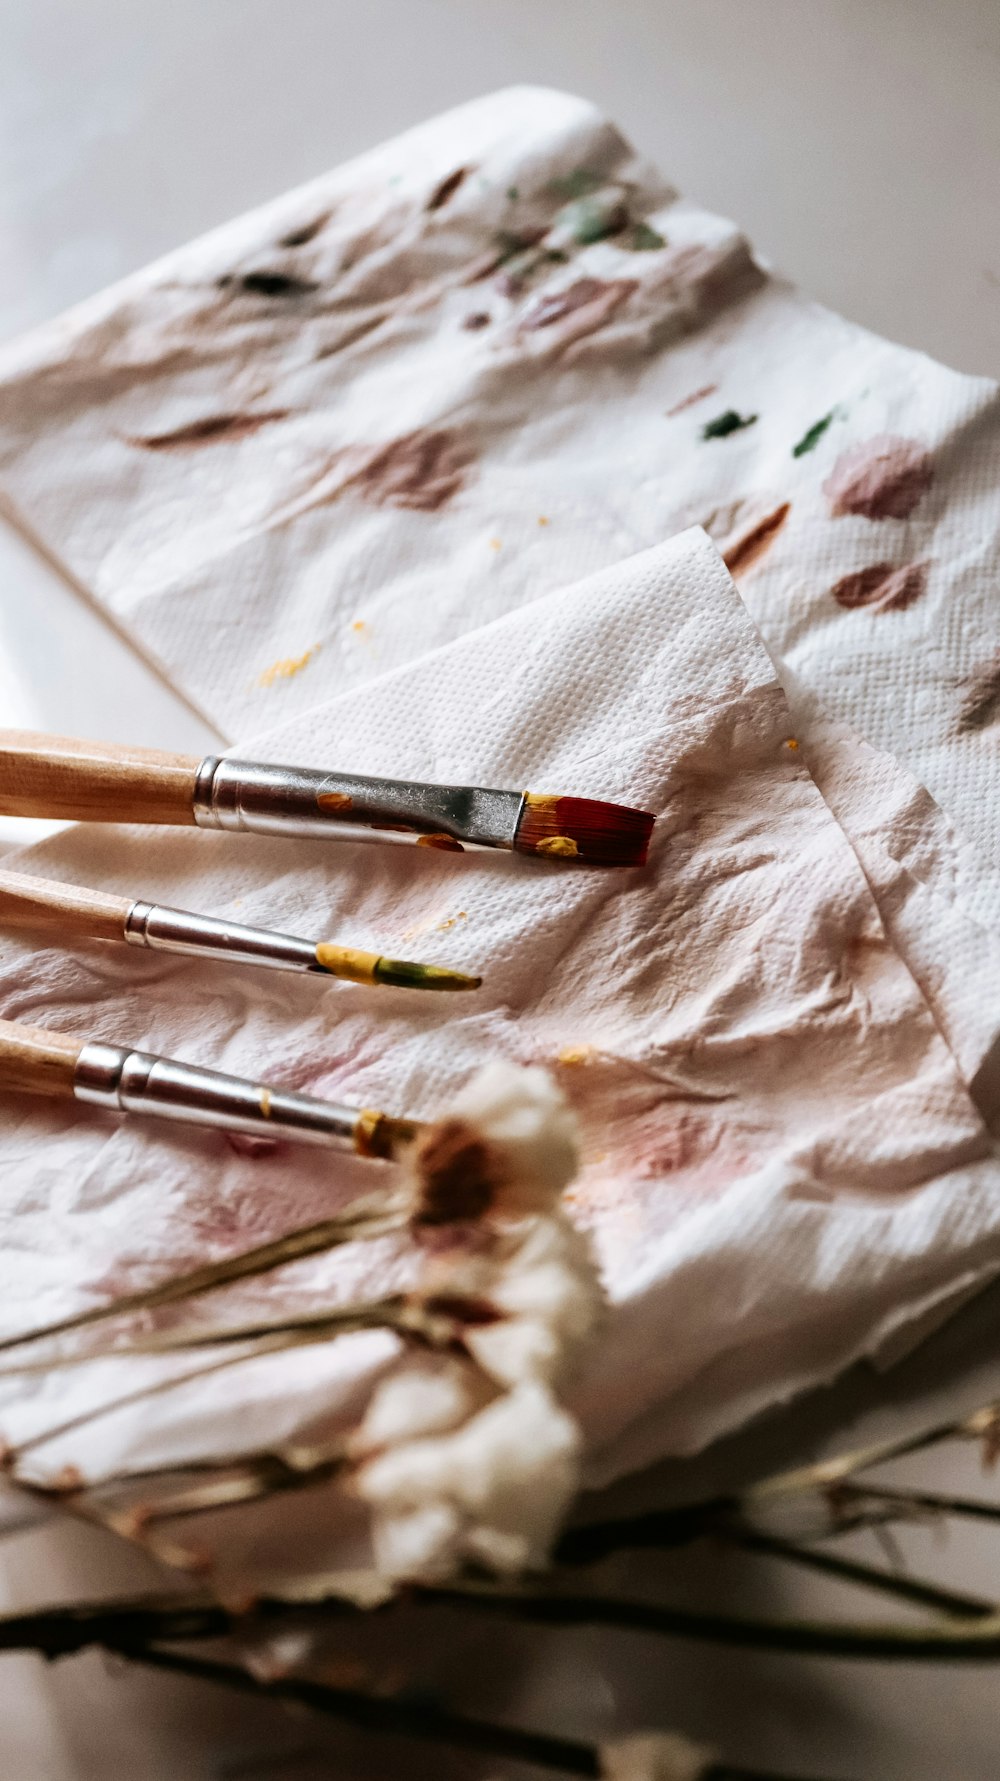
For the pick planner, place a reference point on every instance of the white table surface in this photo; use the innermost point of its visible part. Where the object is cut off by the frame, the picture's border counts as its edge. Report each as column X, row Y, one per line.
column 858, row 142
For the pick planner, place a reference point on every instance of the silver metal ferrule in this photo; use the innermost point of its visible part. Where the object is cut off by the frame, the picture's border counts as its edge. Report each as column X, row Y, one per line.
column 275, row 800
column 178, row 930
column 126, row 1081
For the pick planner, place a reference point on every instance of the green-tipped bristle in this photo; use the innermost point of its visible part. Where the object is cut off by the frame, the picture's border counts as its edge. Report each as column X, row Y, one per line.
column 404, row 974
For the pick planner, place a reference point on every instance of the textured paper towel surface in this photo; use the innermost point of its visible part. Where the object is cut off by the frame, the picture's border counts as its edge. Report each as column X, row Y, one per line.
column 783, row 1165
column 488, row 357
column 472, row 365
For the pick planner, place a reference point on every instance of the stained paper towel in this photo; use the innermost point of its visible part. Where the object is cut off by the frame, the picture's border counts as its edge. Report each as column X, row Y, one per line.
column 492, row 355
column 783, row 1165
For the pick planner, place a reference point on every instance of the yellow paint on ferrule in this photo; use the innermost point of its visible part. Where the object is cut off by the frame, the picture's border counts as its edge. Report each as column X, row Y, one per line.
column 354, row 966
column 379, row 1136
column 348, row 963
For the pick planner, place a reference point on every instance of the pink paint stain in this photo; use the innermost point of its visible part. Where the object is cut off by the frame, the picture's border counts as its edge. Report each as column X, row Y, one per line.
column 881, row 478
column 882, row 586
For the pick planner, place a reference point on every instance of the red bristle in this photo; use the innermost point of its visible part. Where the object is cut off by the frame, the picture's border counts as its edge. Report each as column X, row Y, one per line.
column 602, row 834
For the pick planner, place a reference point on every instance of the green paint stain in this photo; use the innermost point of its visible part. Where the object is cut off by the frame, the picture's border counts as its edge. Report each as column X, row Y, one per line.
column 578, row 184
column 513, row 194
column 592, row 219
column 812, row 435
column 727, row 423
column 643, row 239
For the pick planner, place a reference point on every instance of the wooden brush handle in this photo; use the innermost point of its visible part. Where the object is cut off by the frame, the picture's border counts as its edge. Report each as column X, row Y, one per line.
column 35, row 1062
column 63, row 910
column 58, row 777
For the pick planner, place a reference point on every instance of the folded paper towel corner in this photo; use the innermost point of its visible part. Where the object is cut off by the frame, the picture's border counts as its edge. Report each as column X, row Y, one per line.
column 327, row 466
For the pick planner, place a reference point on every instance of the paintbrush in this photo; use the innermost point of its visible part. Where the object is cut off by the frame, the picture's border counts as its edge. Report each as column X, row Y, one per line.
column 34, row 1061
column 70, row 912
column 93, row 782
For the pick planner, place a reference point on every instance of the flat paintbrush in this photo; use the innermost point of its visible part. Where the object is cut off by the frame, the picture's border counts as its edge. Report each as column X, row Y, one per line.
column 94, row 782
column 35, row 1061
column 69, row 912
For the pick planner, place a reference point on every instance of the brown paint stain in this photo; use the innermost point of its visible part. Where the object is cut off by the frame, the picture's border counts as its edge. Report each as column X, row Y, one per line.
column 590, row 302
column 446, row 843
column 336, row 802
column 883, row 586
column 447, row 188
column 981, row 704
column 211, row 429
column 746, row 551
column 881, row 478
column 477, row 319
column 421, row 471
column 701, row 395
column 307, row 232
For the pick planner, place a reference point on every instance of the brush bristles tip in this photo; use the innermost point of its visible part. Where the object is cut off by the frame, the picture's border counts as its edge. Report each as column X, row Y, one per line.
column 584, row 829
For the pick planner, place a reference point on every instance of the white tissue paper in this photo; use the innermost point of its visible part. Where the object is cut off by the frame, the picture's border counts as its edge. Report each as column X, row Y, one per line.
column 783, row 1168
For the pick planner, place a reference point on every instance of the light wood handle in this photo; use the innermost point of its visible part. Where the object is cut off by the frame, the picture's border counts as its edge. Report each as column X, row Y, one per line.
column 63, row 910
column 36, row 1062
column 56, row 776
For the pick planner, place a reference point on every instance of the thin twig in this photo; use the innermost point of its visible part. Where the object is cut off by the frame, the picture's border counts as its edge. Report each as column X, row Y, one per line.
column 397, row 1311
column 366, row 1218
column 907, row 1588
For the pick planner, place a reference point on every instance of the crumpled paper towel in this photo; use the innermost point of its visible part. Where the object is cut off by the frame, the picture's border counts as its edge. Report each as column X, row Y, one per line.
column 783, row 1165
column 490, row 356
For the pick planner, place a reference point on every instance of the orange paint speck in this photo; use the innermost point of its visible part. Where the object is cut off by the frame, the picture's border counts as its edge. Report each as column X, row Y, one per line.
column 446, row 843
column 792, row 743
column 359, row 625
column 573, row 1056
column 543, row 519
column 494, row 544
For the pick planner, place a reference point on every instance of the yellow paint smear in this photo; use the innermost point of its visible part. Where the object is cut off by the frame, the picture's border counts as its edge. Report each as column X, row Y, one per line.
column 559, row 847
column 495, row 544
column 359, row 625
column 265, row 1102
column 347, row 962
column 287, row 667
column 573, row 1056
column 543, row 519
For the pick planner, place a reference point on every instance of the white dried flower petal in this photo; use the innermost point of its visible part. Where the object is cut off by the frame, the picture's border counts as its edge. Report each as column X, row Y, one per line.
column 522, row 1114
column 430, row 1395
column 498, row 1486
column 540, row 1275
column 655, row 1756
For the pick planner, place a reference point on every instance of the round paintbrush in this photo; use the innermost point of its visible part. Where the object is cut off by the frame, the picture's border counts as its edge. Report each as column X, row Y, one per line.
column 70, row 912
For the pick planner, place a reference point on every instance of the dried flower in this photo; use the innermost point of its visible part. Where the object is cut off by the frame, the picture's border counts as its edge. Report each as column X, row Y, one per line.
column 492, row 1491
column 508, row 1144
column 471, row 1458
column 656, row 1756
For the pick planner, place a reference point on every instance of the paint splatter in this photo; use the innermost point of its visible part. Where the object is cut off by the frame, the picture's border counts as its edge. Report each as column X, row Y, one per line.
column 447, row 189
column 727, row 422
column 513, row 194
column 792, row 742
column 359, row 625
column 886, row 587
column 287, row 667
column 591, row 219
column 881, row 478
column 707, row 389
column 496, row 544
column 478, row 319
column 543, row 519
column 644, row 239
column 591, row 302
column 812, row 435
column 308, row 232
column 748, row 550
column 271, row 284
column 446, row 843
column 421, row 471
column 981, row 705
column 211, row 429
